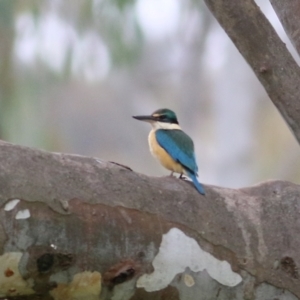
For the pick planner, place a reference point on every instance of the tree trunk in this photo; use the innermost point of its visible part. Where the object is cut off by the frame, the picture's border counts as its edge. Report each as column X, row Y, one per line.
column 74, row 227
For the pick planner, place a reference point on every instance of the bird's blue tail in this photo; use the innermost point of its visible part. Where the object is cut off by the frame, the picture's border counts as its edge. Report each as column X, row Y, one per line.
column 197, row 184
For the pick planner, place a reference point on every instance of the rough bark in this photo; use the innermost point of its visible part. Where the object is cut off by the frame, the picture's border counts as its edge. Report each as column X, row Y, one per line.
column 266, row 54
column 74, row 227
column 288, row 13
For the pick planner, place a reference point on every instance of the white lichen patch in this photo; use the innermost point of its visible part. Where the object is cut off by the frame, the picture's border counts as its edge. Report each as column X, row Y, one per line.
column 177, row 252
column 53, row 246
column 11, row 204
column 11, row 281
column 23, row 214
column 188, row 280
column 85, row 285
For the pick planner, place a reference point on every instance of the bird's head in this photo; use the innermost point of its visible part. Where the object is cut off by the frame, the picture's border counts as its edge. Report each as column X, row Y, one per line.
column 162, row 118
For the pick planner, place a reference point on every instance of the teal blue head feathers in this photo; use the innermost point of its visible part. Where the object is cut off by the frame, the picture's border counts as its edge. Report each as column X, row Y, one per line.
column 164, row 115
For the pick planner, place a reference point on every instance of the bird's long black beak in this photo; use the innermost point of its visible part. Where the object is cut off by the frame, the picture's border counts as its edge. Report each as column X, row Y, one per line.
column 144, row 118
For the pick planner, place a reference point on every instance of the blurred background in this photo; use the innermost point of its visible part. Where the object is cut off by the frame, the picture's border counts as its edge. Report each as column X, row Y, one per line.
column 73, row 72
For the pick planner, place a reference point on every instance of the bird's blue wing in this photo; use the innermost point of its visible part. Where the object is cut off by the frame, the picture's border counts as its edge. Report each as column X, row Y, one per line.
column 179, row 146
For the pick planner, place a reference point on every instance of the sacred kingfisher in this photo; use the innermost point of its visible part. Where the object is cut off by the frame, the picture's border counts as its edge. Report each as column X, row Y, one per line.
column 171, row 146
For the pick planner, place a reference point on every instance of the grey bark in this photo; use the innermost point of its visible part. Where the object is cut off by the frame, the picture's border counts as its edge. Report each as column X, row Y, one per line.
column 288, row 13
column 83, row 228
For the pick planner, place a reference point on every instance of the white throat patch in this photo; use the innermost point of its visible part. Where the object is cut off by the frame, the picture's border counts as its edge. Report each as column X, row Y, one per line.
column 163, row 125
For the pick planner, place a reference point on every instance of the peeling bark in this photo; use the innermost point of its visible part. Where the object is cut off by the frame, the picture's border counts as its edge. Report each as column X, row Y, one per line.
column 266, row 54
column 74, row 227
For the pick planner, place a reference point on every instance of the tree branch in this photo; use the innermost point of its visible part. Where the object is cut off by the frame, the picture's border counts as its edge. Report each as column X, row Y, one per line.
column 267, row 55
column 72, row 225
column 288, row 13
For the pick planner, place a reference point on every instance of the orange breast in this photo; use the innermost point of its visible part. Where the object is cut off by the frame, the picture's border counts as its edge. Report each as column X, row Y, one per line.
column 164, row 158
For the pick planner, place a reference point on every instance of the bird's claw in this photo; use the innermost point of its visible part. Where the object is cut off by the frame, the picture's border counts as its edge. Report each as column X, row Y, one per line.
column 182, row 177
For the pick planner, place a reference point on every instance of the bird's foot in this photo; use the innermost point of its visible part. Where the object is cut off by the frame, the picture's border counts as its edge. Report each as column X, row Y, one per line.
column 181, row 176
column 171, row 175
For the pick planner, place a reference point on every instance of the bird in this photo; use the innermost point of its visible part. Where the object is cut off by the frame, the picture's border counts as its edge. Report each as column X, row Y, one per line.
column 173, row 148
